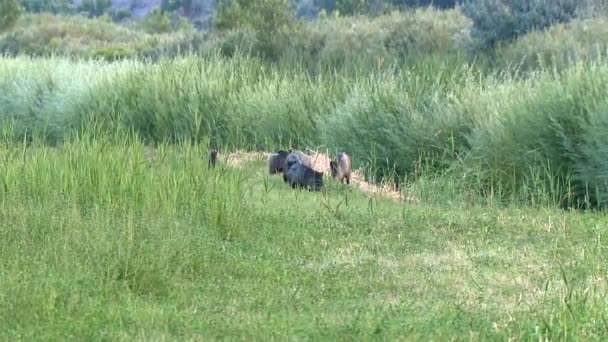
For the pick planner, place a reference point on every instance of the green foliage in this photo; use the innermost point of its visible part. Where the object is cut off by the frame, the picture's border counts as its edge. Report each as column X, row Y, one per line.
column 500, row 136
column 261, row 16
column 120, row 15
column 44, row 34
column 10, row 11
column 329, row 43
column 53, row 6
column 270, row 20
column 156, row 22
column 350, row 41
column 504, row 20
column 352, row 7
column 560, row 46
column 95, row 8
column 171, row 5
column 159, row 22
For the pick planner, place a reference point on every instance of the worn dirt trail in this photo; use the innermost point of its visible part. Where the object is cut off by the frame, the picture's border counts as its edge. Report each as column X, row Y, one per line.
column 321, row 163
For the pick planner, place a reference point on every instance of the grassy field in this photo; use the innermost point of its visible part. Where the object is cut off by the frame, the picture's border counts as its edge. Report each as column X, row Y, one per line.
column 114, row 228
column 122, row 242
column 494, row 132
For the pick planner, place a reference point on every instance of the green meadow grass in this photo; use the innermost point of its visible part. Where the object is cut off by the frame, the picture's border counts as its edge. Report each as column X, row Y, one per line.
column 497, row 133
column 113, row 240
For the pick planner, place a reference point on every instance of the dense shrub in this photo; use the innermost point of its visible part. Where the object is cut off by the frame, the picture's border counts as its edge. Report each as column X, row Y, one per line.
column 398, row 36
column 271, row 21
column 394, row 122
column 541, row 133
column 341, row 42
column 95, row 8
column 44, row 34
column 504, row 20
column 10, row 10
column 155, row 22
column 52, row 6
column 561, row 45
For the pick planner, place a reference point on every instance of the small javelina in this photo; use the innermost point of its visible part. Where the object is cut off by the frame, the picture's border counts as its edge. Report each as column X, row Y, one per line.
column 297, row 174
column 342, row 168
column 276, row 162
column 213, row 157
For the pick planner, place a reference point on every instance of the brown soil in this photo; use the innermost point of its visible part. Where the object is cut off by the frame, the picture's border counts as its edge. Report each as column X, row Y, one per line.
column 321, row 163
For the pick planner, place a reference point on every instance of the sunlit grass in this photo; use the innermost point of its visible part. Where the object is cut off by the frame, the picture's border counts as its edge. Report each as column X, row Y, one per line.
column 121, row 241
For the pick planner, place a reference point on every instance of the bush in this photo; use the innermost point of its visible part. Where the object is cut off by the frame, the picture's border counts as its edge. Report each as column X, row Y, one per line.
column 270, row 20
column 399, row 36
column 44, row 34
column 505, row 20
column 95, row 8
column 52, row 6
column 561, row 46
column 155, row 22
column 9, row 14
column 327, row 43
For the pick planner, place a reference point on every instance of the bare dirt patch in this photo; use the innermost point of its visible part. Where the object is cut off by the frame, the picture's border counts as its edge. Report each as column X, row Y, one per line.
column 321, row 164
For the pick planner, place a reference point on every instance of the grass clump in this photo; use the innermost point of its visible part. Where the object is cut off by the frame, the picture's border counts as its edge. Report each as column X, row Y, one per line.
column 533, row 133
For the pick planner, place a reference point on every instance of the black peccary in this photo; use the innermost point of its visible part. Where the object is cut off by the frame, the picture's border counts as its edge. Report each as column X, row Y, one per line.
column 213, row 157
column 297, row 174
column 276, row 162
column 341, row 169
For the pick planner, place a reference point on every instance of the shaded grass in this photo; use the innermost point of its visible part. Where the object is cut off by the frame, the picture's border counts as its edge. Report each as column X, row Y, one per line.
column 113, row 241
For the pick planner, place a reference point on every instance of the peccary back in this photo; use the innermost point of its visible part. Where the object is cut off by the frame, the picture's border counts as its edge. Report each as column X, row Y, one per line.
column 276, row 162
column 304, row 158
column 298, row 174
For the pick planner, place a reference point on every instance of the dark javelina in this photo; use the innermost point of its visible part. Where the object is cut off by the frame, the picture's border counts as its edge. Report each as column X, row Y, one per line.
column 213, row 157
column 276, row 162
column 297, row 174
column 341, row 169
